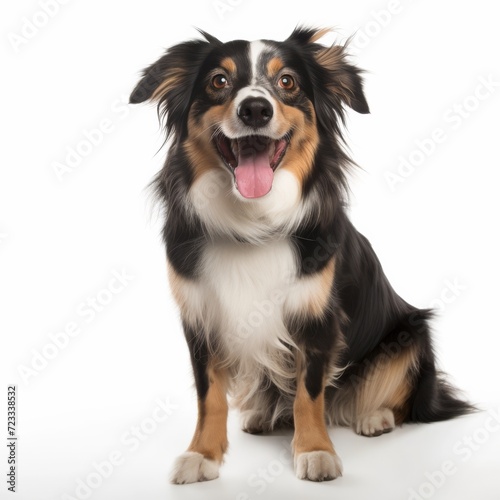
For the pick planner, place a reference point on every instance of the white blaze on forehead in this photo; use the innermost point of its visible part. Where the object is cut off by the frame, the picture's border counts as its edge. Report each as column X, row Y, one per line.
column 251, row 91
column 257, row 48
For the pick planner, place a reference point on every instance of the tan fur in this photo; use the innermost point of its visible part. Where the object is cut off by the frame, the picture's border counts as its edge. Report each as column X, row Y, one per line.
column 333, row 58
column 309, row 422
column 320, row 33
column 229, row 65
column 199, row 146
column 318, row 304
column 299, row 157
column 171, row 80
column 274, row 66
column 312, row 297
column 385, row 383
column 210, row 437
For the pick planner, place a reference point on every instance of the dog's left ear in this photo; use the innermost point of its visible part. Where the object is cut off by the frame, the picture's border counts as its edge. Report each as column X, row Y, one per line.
column 343, row 79
column 335, row 81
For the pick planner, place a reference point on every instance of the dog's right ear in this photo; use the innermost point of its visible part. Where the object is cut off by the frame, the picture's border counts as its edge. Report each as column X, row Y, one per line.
column 170, row 80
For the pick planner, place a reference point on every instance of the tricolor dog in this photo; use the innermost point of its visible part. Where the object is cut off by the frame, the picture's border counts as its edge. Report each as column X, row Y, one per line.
column 284, row 304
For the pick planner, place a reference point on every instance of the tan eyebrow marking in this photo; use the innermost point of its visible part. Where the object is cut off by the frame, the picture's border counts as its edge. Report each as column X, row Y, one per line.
column 228, row 64
column 274, row 66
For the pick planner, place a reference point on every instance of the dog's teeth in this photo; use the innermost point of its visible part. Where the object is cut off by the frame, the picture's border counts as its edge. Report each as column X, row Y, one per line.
column 234, row 148
column 272, row 150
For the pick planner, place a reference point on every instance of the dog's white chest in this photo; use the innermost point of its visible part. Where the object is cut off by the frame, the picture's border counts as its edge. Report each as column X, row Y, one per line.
column 246, row 288
column 242, row 297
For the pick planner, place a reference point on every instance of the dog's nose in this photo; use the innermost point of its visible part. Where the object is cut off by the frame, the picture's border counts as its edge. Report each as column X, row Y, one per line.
column 255, row 112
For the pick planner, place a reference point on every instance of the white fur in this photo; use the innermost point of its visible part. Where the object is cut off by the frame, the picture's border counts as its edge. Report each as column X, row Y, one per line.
column 257, row 47
column 251, row 91
column 379, row 422
column 245, row 287
column 318, row 466
column 191, row 467
column 224, row 211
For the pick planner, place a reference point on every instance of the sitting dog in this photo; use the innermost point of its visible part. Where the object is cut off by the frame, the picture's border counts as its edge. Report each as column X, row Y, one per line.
column 284, row 304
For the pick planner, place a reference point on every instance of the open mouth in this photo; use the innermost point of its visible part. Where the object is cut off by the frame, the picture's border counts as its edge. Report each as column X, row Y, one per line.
column 253, row 160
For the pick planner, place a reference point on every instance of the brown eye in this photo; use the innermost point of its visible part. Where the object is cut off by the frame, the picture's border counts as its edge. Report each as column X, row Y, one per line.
column 219, row 82
column 286, row 82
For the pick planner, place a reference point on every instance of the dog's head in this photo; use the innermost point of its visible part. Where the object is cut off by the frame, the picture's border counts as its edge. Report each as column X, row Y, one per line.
column 253, row 107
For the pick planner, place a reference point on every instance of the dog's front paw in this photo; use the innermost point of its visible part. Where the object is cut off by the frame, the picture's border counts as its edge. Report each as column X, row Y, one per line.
column 191, row 467
column 318, row 466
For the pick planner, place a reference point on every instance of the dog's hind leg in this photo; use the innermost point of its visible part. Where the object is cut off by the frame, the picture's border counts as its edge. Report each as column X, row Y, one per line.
column 374, row 395
column 397, row 382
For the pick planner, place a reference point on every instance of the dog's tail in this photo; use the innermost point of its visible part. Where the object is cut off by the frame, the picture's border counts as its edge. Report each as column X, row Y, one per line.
column 434, row 398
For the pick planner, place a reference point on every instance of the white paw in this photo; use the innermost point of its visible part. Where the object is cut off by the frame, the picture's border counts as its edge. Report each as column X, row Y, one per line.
column 318, row 466
column 379, row 422
column 191, row 467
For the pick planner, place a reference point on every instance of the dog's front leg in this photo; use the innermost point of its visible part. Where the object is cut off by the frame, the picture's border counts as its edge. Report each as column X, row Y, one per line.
column 204, row 455
column 314, row 455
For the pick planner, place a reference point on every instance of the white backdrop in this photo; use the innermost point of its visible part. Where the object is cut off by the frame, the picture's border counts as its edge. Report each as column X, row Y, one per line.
column 90, row 334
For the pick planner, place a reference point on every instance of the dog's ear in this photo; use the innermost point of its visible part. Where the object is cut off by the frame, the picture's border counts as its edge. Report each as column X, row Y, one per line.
column 335, row 81
column 170, row 80
column 344, row 79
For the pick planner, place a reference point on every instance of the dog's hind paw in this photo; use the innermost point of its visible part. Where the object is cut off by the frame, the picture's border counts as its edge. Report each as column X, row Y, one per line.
column 254, row 422
column 191, row 467
column 376, row 424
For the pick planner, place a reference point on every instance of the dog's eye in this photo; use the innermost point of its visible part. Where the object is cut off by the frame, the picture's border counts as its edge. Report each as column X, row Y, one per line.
column 286, row 82
column 219, row 82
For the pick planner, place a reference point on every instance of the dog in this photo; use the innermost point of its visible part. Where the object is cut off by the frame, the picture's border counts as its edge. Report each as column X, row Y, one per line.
column 284, row 304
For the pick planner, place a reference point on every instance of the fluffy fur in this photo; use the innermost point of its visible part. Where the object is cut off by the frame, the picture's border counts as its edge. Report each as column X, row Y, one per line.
column 284, row 304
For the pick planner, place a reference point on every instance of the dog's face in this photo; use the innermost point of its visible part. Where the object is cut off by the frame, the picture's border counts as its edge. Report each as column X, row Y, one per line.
column 253, row 108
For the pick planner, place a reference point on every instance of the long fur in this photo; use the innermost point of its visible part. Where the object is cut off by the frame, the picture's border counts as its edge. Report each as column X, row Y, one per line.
column 337, row 314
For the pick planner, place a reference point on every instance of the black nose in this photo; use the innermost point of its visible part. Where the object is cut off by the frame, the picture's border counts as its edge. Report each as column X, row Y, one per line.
column 255, row 112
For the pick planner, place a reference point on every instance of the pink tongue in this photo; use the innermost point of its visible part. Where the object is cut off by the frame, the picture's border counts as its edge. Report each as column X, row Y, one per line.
column 254, row 175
